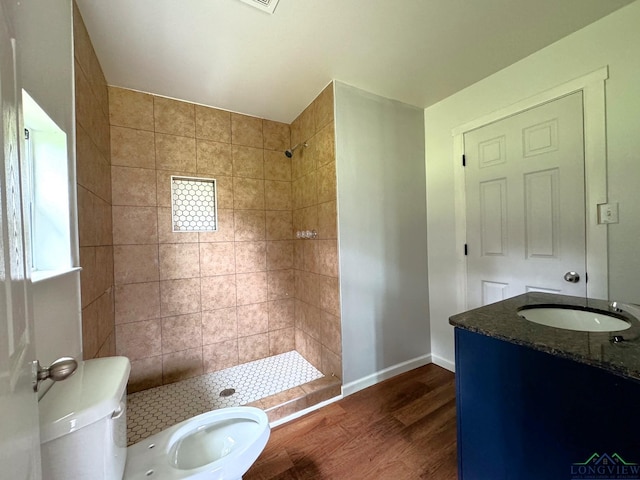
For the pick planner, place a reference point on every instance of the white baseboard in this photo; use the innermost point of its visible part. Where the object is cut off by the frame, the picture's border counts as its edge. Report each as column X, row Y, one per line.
column 444, row 363
column 369, row 380
column 302, row 413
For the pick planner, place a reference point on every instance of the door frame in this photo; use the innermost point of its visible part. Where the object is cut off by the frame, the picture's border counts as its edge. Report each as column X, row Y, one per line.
column 592, row 86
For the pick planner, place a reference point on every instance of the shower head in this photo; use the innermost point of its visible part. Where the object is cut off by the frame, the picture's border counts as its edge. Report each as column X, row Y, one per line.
column 289, row 153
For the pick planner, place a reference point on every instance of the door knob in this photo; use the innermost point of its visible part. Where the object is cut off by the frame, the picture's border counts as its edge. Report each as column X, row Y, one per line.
column 572, row 277
column 59, row 370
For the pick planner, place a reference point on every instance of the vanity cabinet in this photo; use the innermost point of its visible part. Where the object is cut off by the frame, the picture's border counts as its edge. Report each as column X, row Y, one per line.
column 525, row 414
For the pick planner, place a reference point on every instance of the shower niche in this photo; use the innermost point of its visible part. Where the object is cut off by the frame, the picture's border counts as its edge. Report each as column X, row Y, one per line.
column 193, row 204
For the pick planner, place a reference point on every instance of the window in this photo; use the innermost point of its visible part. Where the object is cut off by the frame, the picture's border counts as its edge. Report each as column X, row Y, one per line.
column 46, row 179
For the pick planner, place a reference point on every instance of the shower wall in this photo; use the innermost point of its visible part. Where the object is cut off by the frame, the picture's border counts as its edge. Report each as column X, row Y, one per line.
column 182, row 304
column 317, row 306
column 94, row 196
column 192, row 303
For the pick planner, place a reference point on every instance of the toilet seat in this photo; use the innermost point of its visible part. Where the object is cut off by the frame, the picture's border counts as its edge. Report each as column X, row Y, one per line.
column 214, row 445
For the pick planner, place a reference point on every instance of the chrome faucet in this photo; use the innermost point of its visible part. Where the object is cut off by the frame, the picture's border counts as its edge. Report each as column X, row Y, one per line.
column 630, row 308
column 615, row 307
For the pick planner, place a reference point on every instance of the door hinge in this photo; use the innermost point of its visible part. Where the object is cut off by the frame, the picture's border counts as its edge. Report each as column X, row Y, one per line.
column 26, row 134
column 466, row 250
column 464, row 161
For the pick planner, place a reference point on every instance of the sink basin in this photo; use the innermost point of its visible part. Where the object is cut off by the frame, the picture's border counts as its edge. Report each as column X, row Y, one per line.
column 574, row 319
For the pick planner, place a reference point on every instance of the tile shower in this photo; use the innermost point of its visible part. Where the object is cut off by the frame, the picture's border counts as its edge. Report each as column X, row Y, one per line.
column 181, row 305
column 193, row 303
column 153, row 410
column 93, row 174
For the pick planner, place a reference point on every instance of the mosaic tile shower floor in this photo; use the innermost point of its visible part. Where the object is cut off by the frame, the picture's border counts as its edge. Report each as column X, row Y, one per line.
column 153, row 410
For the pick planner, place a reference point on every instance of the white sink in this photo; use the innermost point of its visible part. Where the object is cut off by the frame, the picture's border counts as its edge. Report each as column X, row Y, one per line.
column 574, row 319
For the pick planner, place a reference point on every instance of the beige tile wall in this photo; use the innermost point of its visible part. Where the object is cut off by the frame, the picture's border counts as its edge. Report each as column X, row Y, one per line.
column 191, row 303
column 317, row 306
column 188, row 303
column 94, row 196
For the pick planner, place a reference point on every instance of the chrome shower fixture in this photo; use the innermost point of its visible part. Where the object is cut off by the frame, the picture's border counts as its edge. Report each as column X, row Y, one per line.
column 289, row 153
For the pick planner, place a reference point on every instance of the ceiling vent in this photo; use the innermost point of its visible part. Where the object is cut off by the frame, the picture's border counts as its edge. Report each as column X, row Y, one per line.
column 268, row 6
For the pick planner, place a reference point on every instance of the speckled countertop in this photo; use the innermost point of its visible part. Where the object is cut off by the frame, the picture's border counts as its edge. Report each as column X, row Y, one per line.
column 501, row 320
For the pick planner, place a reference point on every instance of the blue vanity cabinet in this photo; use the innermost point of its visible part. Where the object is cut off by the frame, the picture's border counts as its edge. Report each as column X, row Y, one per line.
column 529, row 415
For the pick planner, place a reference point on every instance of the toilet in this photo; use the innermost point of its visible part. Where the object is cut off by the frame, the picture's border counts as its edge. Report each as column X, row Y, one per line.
column 83, row 434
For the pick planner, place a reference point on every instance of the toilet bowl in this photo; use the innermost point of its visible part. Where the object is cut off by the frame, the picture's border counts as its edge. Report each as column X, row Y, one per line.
column 83, row 434
column 215, row 445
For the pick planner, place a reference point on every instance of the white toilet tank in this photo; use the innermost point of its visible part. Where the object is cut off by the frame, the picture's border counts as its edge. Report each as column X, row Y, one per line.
column 83, row 423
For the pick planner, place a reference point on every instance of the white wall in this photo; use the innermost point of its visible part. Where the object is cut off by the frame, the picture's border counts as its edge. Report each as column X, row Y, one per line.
column 56, row 312
column 382, row 235
column 44, row 44
column 612, row 41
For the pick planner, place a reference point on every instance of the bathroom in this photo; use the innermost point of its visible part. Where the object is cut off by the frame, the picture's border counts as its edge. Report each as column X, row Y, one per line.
column 125, row 250
column 188, row 304
column 372, row 348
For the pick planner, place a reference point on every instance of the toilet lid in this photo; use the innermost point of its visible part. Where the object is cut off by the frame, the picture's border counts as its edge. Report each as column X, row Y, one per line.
column 92, row 393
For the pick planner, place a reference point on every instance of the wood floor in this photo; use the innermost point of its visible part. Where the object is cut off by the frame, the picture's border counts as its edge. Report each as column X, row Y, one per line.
column 403, row 428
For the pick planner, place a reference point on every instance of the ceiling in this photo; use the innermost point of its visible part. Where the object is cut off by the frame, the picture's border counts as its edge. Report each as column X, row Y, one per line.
column 227, row 54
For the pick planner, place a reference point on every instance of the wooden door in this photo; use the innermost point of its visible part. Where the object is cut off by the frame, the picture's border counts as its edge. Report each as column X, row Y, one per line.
column 19, row 427
column 525, row 203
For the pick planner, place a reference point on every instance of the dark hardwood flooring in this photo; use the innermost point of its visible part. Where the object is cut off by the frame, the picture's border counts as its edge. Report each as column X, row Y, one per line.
column 402, row 428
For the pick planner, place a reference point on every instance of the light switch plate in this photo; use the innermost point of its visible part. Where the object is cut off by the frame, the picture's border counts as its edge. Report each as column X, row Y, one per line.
column 607, row 213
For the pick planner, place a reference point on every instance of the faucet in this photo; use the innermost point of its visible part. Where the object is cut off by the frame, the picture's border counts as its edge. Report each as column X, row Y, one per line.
column 630, row 308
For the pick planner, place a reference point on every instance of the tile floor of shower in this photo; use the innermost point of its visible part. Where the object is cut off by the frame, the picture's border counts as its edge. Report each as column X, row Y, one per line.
column 281, row 385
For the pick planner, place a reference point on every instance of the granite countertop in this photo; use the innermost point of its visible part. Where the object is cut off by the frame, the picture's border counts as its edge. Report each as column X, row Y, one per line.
column 501, row 321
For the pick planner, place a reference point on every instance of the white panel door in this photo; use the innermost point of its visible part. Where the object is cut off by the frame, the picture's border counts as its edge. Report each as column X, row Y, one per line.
column 525, row 205
column 19, row 434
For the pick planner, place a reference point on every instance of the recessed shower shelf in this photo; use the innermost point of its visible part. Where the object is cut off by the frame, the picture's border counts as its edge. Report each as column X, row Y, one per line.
column 193, row 204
